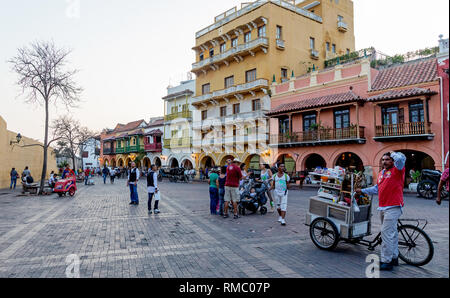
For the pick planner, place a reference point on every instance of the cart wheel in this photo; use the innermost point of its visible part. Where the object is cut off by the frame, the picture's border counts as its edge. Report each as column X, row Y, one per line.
column 72, row 192
column 263, row 210
column 324, row 233
column 415, row 246
column 427, row 189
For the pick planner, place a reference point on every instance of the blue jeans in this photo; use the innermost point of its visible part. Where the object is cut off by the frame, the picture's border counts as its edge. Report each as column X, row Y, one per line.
column 13, row 182
column 86, row 180
column 214, row 199
column 133, row 193
column 221, row 200
column 104, row 178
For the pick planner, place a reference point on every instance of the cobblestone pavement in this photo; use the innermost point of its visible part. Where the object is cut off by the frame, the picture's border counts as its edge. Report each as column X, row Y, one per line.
column 114, row 239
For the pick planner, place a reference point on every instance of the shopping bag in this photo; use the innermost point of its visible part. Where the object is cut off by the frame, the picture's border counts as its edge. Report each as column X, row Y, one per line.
column 157, row 196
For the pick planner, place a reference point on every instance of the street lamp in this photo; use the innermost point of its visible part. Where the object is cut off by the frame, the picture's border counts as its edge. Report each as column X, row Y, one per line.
column 18, row 138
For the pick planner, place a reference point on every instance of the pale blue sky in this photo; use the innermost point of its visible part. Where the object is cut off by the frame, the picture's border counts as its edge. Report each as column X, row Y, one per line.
column 129, row 51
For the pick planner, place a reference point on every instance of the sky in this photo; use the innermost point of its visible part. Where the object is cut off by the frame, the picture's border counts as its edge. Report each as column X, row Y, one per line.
column 128, row 52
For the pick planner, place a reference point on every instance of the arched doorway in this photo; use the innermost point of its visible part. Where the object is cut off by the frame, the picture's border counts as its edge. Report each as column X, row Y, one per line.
column 158, row 162
column 314, row 161
column 128, row 162
column 147, row 163
column 416, row 161
column 223, row 162
column 350, row 161
column 121, row 163
column 288, row 162
column 253, row 162
column 187, row 164
column 113, row 163
column 207, row 162
column 174, row 163
column 106, row 163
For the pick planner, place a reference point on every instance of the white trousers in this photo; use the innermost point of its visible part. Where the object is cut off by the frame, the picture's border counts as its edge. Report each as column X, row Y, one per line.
column 389, row 234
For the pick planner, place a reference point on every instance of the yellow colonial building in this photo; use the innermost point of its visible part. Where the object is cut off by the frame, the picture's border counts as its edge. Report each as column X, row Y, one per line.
column 245, row 52
column 14, row 155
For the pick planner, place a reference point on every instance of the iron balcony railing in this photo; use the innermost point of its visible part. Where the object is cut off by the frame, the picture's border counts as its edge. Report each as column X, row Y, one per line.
column 280, row 43
column 177, row 143
column 342, row 26
column 320, row 135
column 403, row 129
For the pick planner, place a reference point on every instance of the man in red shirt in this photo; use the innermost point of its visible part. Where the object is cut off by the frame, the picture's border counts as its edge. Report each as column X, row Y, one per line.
column 234, row 175
column 389, row 187
column 86, row 175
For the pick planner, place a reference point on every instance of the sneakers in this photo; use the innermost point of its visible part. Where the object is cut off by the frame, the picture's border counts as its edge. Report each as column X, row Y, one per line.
column 131, row 203
column 280, row 219
column 236, row 216
column 157, row 211
column 150, row 212
column 386, row 266
column 283, row 222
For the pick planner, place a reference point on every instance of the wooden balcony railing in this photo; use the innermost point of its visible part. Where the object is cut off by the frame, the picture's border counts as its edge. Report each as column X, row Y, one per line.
column 321, row 135
column 403, row 129
column 153, row 147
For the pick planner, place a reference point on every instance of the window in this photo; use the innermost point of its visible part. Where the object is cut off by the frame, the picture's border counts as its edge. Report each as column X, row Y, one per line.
column 201, row 56
column 416, row 112
column 328, row 47
column 308, row 121
column 248, row 37
column 333, row 48
column 284, row 125
column 236, row 108
column 250, row 76
column 340, row 18
column 234, row 42
column 211, row 52
column 390, row 115
column 284, row 73
column 223, row 111
column 205, row 88
column 174, row 110
column 312, row 43
column 262, row 31
column 229, row 82
column 256, row 105
column 223, row 47
column 204, row 115
column 342, row 118
column 279, row 32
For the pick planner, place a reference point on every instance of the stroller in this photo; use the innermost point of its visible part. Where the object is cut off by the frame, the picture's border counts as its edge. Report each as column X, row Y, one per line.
column 255, row 201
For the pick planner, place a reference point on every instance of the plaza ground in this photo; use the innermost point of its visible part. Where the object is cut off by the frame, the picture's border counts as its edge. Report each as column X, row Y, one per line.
column 114, row 239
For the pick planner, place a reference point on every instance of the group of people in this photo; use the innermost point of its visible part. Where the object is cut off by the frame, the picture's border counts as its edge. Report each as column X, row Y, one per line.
column 224, row 188
column 25, row 177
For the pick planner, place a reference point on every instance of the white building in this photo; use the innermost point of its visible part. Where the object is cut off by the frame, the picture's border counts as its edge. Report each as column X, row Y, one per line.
column 90, row 153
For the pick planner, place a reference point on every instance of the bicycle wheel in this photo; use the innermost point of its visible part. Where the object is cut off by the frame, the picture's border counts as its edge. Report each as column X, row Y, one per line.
column 427, row 189
column 414, row 245
column 324, row 234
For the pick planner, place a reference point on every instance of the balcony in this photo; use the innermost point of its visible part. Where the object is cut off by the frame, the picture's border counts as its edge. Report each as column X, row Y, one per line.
column 238, row 91
column 177, row 143
column 120, row 150
column 183, row 114
column 280, row 44
column 314, row 54
column 155, row 147
column 109, row 151
column 233, row 54
column 403, row 131
column 342, row 26
column 321, row 137
column 130, row 149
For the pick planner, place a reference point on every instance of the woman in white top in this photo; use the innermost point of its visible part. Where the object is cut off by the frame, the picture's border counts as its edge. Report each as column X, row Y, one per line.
column 244, row 174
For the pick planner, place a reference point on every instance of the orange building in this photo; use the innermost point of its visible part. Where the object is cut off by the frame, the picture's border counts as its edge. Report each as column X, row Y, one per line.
column 350, row 115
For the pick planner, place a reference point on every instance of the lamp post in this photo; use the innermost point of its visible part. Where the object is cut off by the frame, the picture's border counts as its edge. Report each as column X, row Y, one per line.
column 18, row 139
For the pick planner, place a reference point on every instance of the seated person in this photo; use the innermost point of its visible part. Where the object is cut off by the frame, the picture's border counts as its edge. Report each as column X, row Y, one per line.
column 52, row 180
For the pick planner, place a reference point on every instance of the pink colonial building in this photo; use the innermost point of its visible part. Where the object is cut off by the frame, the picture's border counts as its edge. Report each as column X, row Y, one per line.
column 443, row 61
column 350, row 115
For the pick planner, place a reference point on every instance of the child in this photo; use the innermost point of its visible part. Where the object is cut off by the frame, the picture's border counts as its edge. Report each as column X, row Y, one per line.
column 152, row 189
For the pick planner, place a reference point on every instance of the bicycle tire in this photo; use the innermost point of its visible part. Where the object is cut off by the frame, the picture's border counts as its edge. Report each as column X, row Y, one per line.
column 327, row 228
column 413, row 237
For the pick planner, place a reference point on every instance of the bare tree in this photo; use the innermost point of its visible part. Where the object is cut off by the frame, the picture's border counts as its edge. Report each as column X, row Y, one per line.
column 44, row 80
column 73, row 135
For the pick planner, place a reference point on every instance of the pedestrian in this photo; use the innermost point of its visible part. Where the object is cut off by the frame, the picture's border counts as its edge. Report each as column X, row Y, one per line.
column 389, row 188
column 207, row 173
column 234, row 175
column 14, row 175
column 86, row 175
column 26, row 172
column 245, row 175
column 133, row 179
column 152, row 189
column 112, row 175
column 52, row 180
column 67, row 171
column 443, row 182
column 222, row 181
column 266, row 177
column 201, row 174
column 105, row 173
column 213, row 191
column 280, row 185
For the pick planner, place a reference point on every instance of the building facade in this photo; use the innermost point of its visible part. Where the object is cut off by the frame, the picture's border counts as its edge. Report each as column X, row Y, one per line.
column 90, row 153
column 350, row 115
column 153, row 142
column 178, row 117
column 443, row 61
column 13, row 155
column 242, row 53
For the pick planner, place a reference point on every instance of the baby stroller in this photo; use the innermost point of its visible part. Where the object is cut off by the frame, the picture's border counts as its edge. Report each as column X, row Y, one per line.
column 253, row 197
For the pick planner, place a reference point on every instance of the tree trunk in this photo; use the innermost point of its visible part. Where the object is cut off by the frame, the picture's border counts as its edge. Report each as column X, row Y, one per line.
column 44, row 164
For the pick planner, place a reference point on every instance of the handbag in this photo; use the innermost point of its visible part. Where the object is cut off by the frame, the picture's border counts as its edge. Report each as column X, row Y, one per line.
column 157, row 196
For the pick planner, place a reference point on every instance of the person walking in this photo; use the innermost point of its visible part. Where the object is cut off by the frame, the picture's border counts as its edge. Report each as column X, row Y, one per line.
column 222, row 181
column 213, row 191
column 133, row 179
column 389, row 188
column 442, row 183
column 234, row 175
column 86, row 175
column 112, row 175
column 266, row 177
column 152, row 189
column 14, row 176
column 280, row 186
column 105, row 173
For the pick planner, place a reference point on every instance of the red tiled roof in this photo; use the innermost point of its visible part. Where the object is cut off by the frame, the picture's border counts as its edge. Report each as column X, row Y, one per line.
column 393, row 94
column 322, row 101
column 155, row 132
column 156, row 123
column 129, row 126
column 406, row 75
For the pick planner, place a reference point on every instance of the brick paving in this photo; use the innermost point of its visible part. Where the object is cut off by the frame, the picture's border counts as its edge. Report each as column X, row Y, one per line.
column 114, row 239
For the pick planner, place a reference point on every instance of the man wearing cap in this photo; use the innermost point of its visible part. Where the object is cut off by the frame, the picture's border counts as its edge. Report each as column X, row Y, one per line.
column 234, row 175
